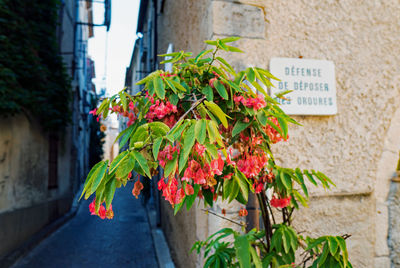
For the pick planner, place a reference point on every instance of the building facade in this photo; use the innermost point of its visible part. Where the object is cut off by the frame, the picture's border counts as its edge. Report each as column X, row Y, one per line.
column 358, row 148
column 40, row 172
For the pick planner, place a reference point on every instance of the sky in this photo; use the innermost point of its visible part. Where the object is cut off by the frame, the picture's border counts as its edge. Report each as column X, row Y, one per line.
column 112, row 51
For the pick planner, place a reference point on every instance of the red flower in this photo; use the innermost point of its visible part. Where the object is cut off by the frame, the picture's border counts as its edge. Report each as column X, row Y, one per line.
column 180, row 194
column 93, row 112
column 223, row 211
column 280, row 202
column 102, row 213
column 217, row 165
column 92, row 207
column 274, row 135
column 161, row 184
column 137, row 188
column 199, row 149
column 189, row 189
column 243, row 212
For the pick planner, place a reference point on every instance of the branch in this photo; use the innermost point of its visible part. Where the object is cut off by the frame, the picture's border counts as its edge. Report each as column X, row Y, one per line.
column 186, row 113
column 222, row 217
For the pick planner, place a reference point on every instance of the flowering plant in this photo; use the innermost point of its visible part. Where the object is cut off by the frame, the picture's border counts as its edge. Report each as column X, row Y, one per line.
column 211, row 129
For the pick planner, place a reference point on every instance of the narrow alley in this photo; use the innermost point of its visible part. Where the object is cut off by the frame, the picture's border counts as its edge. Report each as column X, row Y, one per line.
column 88, row 241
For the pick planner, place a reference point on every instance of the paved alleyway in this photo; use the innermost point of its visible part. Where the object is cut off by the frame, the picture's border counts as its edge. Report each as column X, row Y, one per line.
column 88, row 241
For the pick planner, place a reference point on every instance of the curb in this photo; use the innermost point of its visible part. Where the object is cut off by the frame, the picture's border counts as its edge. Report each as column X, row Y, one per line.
column 10, row 259
column 160, row 243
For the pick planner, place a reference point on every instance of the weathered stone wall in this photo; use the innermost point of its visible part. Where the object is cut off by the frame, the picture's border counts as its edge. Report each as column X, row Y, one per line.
column 26, row 203
column 352, row 147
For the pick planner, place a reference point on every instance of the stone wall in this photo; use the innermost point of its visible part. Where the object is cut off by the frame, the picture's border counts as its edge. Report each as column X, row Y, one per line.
column 26, row 203
column 354, row 147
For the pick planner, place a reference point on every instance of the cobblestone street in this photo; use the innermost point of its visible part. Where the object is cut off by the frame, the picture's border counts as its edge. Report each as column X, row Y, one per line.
column 88, row 241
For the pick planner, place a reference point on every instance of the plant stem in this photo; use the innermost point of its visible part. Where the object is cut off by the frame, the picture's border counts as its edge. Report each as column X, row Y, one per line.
column 266, row 220
column 186, row 113
column 222, row 217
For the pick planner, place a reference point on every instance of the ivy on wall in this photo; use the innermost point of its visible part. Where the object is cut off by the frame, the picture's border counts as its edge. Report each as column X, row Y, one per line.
column 33, row 78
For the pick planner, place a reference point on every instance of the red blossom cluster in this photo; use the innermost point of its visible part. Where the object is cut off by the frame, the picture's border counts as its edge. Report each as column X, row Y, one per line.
column 160, row 110
column 203, row 175
column 252, row 165
column 255, row 103
column 167, row 154
column 102, row 212
column 259, row 184
column 280, row 202
column 274, row 135
column 170, row 190
column 130, row 113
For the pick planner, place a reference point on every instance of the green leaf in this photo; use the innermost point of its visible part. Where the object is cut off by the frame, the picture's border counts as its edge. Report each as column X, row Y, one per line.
column 243, row 185
column 115, row 163
column 177, row 207
column 208, row 92
column 212, row 149
column 123, row 101
column 239, row 127
column 170, row 166
column 262, row 117
column 251, row 76
column 142, row 162
column 156, row 147
column 90, row 178
column 342, row 245
column 300, row 198
column 284, row 126
column 211, row 42
column 286, row 181
column 221, row 60
column 127, row 133
column 325, row 252
column 333, row 245
column 221, row 89
column 125, row 167
column 202, row 53
column 256, row 259
column 200, row 131
column 110, row 191
column 233, row 49
column 229, row 39
column 98, row 176
column 178, row 85
column 234, row 190
column 188, row 143
column 214, row 108
column 310, row 178
column 286, row 240
column 159, row 87
column 242, row 247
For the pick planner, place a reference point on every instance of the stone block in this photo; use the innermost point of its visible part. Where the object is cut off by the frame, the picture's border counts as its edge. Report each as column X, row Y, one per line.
column 237, row 19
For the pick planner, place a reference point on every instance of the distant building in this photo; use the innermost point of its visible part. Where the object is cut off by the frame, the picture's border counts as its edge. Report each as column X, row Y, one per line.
column 358, row 147
column 41, row 172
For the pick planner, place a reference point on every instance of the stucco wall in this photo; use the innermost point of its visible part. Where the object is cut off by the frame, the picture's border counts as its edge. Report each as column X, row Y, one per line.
column 362, row 39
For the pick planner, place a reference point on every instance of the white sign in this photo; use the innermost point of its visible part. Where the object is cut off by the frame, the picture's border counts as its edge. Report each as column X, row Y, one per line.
column 312, row 82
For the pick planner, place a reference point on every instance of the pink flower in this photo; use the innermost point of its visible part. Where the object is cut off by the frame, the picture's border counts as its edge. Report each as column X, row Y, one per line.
column 199, row 149
column 217, row 165
column 189, row 189
column 93, row 112
column 274, row 135
column 280, row 202
column 159, row 110
column 161, row 184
